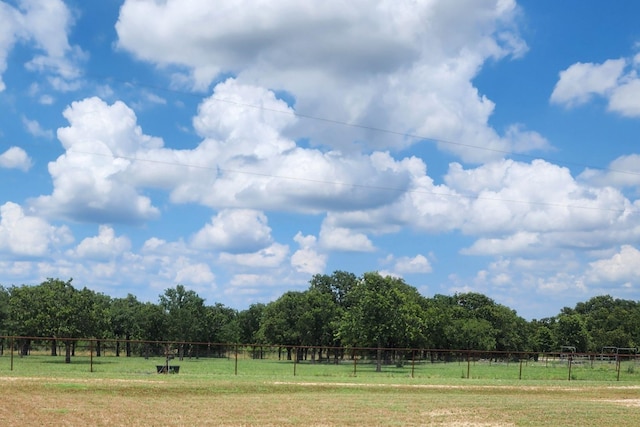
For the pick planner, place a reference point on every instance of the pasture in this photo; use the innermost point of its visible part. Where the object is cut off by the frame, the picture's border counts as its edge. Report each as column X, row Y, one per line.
column 42, row 390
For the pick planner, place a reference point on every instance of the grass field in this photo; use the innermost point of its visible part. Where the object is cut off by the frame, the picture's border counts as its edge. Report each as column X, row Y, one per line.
column 42, row 390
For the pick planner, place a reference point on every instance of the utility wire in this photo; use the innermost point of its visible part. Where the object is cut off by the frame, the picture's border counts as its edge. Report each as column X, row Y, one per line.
column 343, row 184
column 363, row 127
column 378, row 129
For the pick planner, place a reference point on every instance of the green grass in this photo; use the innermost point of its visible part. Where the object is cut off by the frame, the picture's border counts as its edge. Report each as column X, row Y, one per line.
column 41, row 390
column 347, row 370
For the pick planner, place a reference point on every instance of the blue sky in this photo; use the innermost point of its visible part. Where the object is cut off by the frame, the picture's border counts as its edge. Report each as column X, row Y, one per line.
column 240, row 147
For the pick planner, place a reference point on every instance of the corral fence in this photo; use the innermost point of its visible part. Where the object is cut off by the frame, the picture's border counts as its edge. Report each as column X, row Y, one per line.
column 40, row 355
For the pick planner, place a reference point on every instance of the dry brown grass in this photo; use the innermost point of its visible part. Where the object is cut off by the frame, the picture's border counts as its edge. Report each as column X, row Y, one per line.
column 173, row 401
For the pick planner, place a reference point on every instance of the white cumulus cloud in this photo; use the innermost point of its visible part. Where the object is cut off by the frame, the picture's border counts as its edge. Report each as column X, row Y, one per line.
column 90, row 179
column 106, row 245
column 307, row 259
column 616, row 80
column 401, row 65
column 417, row 264
column 15, row 158
column 45, row 24
column 621, row 267
column 25, row 235
column 241, row 230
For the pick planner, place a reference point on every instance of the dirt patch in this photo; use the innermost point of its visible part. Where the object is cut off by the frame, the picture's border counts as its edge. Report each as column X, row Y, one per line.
column 629, row 403
column 78, row 380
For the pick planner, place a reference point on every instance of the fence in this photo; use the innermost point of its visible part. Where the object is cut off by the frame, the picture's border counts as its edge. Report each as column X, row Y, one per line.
column 39, row 356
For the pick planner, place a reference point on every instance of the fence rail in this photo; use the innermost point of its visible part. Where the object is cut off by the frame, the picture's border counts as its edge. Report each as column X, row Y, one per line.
column 40, row 355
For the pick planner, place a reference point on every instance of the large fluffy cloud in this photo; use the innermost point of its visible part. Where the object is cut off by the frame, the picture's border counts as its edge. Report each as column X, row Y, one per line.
column 401, row 65
column 511, row 207
column 242, row 162
column 90, row 179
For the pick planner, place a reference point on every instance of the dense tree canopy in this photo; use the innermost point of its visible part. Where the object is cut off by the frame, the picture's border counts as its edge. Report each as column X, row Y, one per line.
column 337, row 310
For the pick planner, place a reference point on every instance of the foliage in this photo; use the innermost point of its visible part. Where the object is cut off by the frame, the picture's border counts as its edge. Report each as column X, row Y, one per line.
column 571, row 331
column 336, row 310
column 385, row 313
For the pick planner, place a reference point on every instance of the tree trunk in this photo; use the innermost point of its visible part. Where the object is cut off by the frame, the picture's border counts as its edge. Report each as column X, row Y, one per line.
column 54, row 351
column 67, row 352
column 128, row 345
column 118, row 348
column 379, row 359
column 24, row 351
column 98, row 348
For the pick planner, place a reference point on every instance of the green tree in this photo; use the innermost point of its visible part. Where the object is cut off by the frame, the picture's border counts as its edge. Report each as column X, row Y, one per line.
column 24, row 315
column 438, row 314
column 54, row 309
column 571, row 331
column 610, row 322
column 509, row 330
column 471, row 334
column 318, row 321
column 386, row 313
column 544, row 339
column 338, row 285
column 249, row 323
column 186, row 316
column 221, row 325
column 152, row 326
column 4, row 310
column 125, row 321
column 96, row 308
column 280, row 319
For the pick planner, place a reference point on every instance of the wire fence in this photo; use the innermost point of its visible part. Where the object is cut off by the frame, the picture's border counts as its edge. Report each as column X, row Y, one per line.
column 48, row 356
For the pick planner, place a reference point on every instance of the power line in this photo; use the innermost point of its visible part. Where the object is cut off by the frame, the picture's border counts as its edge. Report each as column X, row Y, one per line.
column 363, row 127
column 380, row 130
column 363, row 186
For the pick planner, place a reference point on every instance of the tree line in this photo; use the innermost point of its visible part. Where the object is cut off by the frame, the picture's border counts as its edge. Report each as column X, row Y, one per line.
column 337, row 310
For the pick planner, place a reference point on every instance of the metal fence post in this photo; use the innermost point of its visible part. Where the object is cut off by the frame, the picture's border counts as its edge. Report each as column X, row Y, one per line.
column 355, row 361
column 295, row 360
column 236, row 367
column 413, row 362
column 520, row 376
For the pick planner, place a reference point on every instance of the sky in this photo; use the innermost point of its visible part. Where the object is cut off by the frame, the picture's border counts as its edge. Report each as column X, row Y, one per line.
column 240, row 147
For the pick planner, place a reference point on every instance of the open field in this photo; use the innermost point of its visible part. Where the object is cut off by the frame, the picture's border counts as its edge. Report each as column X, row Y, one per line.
column 555, row 369
column 177, row 401
column 44, row 391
